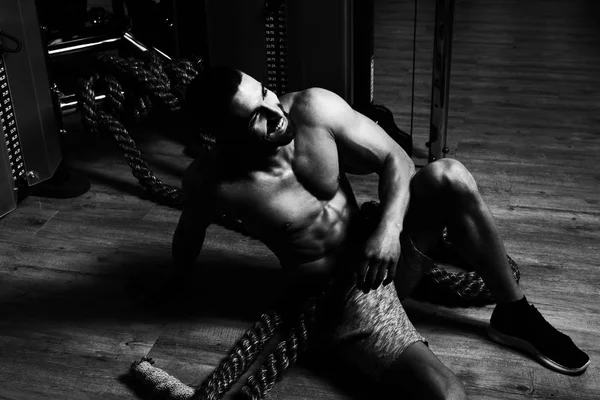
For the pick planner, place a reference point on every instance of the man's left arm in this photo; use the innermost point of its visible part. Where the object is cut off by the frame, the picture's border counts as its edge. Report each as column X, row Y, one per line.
column 394, row 193
column 366, row 148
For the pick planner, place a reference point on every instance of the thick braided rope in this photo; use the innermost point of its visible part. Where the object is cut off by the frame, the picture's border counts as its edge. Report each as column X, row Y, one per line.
column 284, row 356
column 461, row 289
column 115, row 98
column 240, row 358
column 133, row 156
column 457, row 289
column 180, row 73
column 152, row 80
column 148, row 78
column 161, row 383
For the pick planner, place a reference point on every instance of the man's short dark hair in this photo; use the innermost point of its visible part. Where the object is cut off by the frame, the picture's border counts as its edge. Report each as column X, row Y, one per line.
column 208, row 99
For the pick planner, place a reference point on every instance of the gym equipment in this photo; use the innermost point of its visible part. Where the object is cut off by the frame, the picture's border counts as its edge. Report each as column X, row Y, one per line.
column 31, row 152
column 317, row 48
column 440, row 81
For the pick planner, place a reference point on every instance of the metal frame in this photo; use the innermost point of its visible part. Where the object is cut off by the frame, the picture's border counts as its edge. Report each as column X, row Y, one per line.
column 69, row 103
column 30, row 96
column 440, row 87
column 98, row 42
column 8, row 193
column 440, row 83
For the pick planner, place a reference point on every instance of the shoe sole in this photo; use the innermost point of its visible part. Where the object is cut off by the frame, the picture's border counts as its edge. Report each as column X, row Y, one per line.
column 521, row 344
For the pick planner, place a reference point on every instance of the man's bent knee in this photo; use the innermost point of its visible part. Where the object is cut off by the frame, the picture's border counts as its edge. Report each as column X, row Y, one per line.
column 418, row 373
column 452, row 178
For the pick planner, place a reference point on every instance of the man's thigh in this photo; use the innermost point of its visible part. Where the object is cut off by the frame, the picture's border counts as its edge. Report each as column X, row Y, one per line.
column 366, row 330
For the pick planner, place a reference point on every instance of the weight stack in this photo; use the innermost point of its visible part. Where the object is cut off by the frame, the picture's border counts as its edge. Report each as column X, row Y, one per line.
column 288, row 45
column 31, row 150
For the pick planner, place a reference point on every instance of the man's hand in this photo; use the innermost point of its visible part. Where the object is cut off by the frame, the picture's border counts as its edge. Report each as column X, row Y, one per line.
column 381, row 255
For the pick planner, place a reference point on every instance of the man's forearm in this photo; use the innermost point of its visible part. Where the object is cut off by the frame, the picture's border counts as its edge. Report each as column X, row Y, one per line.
column 394, row 191
column 185, row 249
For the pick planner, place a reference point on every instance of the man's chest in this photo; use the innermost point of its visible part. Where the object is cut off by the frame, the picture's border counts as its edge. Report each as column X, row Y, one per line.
column 316, row 163
column 269, row 202
column 290, row 200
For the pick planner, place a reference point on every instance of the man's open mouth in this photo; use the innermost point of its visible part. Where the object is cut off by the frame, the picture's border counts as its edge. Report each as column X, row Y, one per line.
column 279, row 128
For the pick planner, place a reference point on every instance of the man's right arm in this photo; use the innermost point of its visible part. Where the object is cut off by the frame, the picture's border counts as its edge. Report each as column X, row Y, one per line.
column 188, row 239
column 198, row 213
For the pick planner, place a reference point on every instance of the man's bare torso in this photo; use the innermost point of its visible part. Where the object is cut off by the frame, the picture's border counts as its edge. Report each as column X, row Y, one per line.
column 302, row 210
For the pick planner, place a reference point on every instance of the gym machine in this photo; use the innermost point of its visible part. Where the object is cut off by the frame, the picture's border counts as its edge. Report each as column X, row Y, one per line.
column 280, row 41
column 31, row 151
column 32, row 104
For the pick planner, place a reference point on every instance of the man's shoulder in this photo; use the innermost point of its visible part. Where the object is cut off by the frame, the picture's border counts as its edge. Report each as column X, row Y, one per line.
column 314, row 106
column 311, row 98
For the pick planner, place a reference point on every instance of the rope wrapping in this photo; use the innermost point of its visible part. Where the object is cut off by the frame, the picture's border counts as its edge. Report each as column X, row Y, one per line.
column 158, row 381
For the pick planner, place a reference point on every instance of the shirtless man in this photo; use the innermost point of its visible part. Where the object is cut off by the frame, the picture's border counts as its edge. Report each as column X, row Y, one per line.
column 281, row 166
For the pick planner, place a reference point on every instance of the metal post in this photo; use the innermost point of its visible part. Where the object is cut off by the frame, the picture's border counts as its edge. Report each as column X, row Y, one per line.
column 78, row 45
column 440, row 85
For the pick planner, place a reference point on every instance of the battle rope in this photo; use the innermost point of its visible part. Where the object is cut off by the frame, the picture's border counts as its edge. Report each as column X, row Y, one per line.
column 149, row 81
column 133, row 86
column 240, row 358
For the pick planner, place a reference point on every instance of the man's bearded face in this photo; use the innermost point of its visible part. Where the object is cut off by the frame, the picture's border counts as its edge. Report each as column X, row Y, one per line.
column 260, row 111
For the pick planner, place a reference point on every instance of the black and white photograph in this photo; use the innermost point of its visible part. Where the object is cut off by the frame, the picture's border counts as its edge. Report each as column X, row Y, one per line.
column 300, row 199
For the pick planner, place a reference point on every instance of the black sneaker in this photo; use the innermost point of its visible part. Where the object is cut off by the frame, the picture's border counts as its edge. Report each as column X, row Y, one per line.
column 525, row 328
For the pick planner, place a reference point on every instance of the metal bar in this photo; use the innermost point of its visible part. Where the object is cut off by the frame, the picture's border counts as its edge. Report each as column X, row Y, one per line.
column 78, row 45
column 440, row 85
column 128, row 37
column 69, row 104
column 363, row 53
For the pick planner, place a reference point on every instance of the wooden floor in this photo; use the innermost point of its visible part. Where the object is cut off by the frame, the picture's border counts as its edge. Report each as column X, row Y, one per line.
column 80, row 279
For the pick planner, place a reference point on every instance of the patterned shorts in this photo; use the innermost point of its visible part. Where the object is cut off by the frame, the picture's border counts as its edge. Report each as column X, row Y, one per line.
column 371, row 330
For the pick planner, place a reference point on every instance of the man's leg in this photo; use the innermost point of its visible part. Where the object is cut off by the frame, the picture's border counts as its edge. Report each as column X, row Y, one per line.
column 418, row 374
column 444, row 193
column 372, row 333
